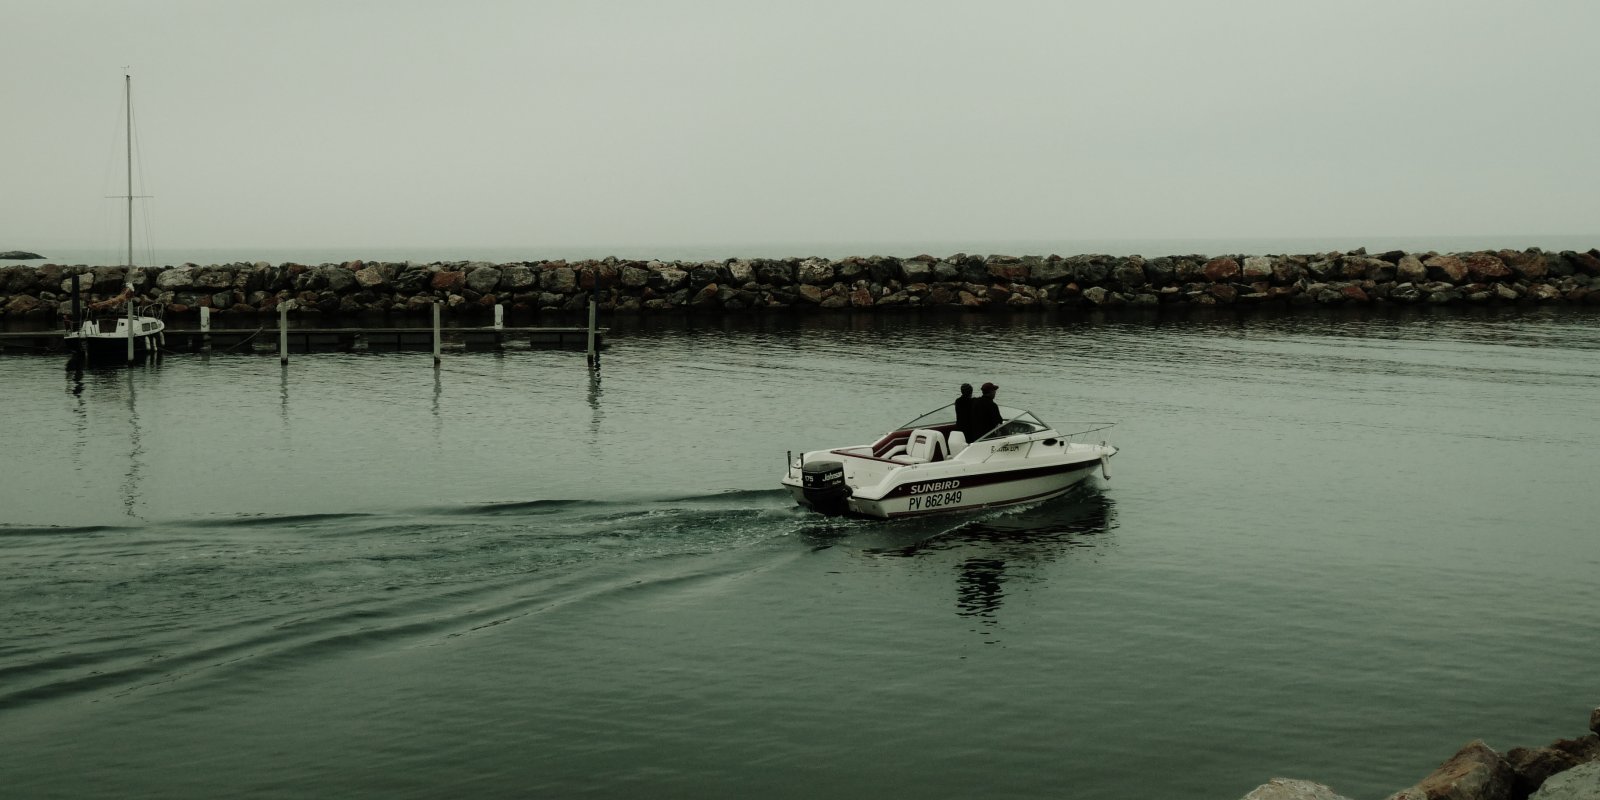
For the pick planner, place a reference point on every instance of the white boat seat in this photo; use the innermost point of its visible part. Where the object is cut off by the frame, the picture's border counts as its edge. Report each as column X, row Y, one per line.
column 897, row 450
column 957, row 442
column 923, row 446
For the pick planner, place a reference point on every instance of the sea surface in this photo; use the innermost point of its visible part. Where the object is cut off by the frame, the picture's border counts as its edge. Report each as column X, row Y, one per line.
column 1335, row 546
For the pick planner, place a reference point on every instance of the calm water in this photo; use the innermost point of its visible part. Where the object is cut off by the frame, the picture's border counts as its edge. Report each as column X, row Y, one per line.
column 1333, row 547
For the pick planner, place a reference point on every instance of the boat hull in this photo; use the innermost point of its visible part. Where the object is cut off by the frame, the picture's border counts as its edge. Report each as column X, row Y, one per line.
column 921, row 495
column 113, row 349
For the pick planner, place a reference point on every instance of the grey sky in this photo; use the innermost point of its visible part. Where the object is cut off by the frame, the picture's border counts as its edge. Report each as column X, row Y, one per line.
column 291, row 124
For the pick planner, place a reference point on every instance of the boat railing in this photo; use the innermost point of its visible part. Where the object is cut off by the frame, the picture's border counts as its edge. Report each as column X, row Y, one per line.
column 1085, row 433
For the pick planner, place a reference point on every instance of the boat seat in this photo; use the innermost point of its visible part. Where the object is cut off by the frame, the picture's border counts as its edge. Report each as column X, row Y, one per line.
column 957, row 443
column 924, row 445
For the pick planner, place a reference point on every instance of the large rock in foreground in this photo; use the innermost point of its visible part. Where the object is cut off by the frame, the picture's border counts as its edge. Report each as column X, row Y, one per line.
column 1578, row 783
column 1476, row 772
column 1291, row 789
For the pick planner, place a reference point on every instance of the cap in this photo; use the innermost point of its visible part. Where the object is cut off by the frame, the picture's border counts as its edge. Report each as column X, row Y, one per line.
column 989, row 387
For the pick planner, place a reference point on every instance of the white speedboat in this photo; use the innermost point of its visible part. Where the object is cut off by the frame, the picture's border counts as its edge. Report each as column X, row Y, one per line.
column 927, row 466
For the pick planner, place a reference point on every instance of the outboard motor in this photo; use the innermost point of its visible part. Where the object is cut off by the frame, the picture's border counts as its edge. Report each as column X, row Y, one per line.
column 824, row 487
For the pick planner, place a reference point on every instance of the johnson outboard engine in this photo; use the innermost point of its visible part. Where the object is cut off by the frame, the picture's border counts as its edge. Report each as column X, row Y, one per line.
column 824, row 487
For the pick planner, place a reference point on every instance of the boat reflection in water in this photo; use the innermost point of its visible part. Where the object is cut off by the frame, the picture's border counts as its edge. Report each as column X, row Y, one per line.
column 989, row 552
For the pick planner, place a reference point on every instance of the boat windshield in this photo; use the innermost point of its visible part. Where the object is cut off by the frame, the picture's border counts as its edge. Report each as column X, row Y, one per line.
column 933, row 419
column 1016, row 421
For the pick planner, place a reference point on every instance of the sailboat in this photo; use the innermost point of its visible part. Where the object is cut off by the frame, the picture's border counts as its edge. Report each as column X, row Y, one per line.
column 134, row 333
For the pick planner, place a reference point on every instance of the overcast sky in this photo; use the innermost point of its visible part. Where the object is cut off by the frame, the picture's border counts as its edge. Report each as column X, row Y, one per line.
column 292, row 124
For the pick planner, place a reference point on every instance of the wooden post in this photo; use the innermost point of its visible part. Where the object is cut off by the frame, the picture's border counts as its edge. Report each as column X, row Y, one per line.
column 283, row 333
column 436, row 360
column 593, row 356
column 205, row 328
column 499, row 316
column 130, row 330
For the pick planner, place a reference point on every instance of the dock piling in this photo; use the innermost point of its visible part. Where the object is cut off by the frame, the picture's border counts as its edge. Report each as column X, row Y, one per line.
column 593, row 356
column 205, row 329
column 436, row 360
column 283, row 333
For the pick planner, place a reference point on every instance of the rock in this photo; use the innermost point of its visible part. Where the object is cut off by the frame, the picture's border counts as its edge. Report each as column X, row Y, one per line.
column 633, row 277
column 213, row 278
column 706, row 297
column 916, row 270
column 1364, row 267
column 815, row 271
column 1485, row 267
column 23, row 305
column 1129, row 274
column 108, row 280
column 774, row 273
column 1095, row 294
column 483, row 279
column 370, row 277
column 1288, row 270
column 173, row 280
column 560, row 280
column 449, row 281
column 1528, row 265
column 945, row 272
column 1585, row 263
column 941, row 295
column 1256, row 268
column 15, row 280
column 1410, row 270
column 672, row 278
column 19, row 255
column 1291, row 789
column 1446, row 268
column 1533, row 766
column 1007, row 269
column 517, row 278
column 1578, row 783
column 1475, row 772
column 1220, row 269
column 412, row 280
column 85, row 283
column 1160, row 271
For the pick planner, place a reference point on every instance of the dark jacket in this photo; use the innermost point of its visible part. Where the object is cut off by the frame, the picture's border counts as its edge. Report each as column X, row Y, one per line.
column 964, row 415
column 985, row 416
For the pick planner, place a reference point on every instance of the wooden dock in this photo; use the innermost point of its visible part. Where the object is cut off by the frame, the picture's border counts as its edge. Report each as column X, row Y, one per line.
column 329, row 340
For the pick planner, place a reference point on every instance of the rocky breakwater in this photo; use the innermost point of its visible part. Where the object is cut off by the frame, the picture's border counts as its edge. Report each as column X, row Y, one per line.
column 1568, row 769
column 965, row 281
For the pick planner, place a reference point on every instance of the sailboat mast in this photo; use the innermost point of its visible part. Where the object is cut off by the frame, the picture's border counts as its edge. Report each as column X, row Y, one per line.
column 127, row 91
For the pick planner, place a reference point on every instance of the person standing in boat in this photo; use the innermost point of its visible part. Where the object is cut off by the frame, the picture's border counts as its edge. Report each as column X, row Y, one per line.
column 985, row 413
column 964, row 412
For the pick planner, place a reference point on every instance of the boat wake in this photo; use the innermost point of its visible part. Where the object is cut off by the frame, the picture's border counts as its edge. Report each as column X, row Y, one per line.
column 113, row 611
